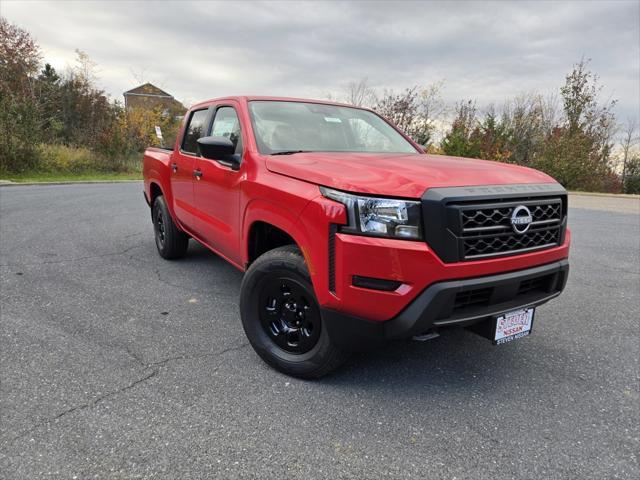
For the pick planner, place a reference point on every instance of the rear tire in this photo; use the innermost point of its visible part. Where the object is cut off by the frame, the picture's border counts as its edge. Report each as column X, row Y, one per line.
column 171, row 242
column 281, row 316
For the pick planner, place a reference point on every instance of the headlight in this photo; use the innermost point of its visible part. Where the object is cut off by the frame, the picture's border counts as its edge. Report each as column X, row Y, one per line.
column 384, row 217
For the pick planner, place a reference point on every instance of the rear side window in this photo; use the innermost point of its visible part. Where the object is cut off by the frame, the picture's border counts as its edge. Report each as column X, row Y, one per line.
column 226, row 124
column 195, row 130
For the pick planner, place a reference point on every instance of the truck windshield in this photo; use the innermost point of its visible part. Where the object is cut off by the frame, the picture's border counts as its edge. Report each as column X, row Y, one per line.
column 282, row 127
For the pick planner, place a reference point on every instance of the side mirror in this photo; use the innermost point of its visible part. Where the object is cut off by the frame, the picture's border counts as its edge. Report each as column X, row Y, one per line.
column 217, row 148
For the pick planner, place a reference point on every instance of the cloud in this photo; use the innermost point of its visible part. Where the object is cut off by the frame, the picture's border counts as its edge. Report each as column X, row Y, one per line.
column 483, row 51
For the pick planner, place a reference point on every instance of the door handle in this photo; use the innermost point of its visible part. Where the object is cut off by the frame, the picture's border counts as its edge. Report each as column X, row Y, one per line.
column 197, row 173
column 174, row 167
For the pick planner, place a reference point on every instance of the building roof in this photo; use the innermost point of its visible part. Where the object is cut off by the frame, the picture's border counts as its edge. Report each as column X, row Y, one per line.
column 148, row 90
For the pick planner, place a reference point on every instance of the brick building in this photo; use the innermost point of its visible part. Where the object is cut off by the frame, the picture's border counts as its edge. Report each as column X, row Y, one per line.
column 149, row 97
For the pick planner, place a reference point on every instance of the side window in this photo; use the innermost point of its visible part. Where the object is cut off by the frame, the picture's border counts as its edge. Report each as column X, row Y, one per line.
column 194, row 131
column 226, row 124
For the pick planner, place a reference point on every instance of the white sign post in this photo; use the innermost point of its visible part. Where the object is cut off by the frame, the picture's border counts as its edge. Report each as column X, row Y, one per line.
column 159, row 135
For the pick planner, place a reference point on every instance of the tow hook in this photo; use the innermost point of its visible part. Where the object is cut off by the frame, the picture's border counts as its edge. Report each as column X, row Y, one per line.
column 426, row 336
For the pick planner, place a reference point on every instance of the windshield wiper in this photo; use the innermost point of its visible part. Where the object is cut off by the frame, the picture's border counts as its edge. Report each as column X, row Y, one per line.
column 289, row 152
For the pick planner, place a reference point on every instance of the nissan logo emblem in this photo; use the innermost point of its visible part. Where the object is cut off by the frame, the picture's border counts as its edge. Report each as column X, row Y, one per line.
column 521, row 219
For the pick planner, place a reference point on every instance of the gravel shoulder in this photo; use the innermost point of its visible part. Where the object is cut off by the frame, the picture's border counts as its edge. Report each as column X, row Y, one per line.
column 606, row 203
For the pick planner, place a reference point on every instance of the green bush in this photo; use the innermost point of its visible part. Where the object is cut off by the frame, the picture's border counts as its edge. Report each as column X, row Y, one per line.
column 632, row 180
column 131, row 162
column 53, row 158
column 61, row 158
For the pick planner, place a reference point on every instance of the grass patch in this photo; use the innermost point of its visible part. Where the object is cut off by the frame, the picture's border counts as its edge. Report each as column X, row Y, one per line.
column 30, row 177
column 63, row 163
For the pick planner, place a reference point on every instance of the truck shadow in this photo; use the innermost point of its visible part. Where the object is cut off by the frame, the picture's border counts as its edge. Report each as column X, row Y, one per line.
column 204, row 271
column 456, row 362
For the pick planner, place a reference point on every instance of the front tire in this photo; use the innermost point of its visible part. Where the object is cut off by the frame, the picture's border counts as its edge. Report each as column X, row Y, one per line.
column 281, row 316
column 171, row 242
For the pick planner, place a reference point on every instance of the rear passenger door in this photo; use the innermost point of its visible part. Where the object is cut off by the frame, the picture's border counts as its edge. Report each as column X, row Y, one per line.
column 183, row 165
column 217, row 189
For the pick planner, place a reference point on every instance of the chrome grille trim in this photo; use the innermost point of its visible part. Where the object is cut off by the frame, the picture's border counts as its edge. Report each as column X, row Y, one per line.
column 486, row 228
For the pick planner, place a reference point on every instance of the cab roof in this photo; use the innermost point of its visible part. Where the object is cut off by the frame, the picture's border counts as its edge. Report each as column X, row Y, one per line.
column 249, row 98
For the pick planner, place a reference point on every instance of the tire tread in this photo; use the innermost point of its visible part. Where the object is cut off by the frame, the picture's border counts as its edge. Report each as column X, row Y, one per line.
column 287, row 257
column 176, row 241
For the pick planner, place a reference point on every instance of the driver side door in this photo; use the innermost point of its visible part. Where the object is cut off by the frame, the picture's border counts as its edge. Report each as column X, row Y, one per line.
column 217, row 189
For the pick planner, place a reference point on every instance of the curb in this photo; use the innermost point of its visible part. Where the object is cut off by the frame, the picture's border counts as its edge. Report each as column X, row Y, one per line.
column 9, row 183
column 5, row 183
column 610, row 195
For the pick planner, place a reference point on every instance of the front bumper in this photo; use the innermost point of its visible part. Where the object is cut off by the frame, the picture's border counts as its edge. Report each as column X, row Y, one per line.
column 336, row 259
column 453, row 303
column 415, row 266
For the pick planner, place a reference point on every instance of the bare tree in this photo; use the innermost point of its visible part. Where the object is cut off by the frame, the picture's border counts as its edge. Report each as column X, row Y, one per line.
column 432, row 106
column 529, row 118
column 629, row 140
column 85, row 68
column 415, row 110
column 549, row 112
column 139, row 75
column 400, row 108
column 329, row 95
column 360, row 93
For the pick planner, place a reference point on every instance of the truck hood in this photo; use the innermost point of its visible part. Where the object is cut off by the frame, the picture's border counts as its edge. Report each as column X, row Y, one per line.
column 398, row 175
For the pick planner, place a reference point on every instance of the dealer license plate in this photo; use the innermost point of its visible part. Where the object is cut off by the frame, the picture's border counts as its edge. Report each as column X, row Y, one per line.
column 513, row 325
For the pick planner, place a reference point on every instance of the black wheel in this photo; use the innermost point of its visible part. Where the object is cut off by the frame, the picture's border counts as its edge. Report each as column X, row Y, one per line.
column 171, row 242
column 281, row 317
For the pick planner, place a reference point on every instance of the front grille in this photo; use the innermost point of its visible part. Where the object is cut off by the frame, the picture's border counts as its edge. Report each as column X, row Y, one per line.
column 469, row 223
column 482, row 218
column 486, row 230
column 488, row 246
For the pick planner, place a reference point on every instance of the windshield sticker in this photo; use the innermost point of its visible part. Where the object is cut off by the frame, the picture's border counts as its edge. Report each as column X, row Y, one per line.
column 332, row 120
column 222, row 127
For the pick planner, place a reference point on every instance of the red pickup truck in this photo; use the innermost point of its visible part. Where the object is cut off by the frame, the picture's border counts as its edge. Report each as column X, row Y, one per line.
column 349, row 234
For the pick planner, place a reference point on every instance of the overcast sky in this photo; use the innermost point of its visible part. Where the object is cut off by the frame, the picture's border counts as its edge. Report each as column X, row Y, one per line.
column 482, row 51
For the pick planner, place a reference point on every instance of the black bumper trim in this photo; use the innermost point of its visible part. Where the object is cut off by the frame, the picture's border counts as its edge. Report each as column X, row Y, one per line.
column 436, row 306
column 375, row 283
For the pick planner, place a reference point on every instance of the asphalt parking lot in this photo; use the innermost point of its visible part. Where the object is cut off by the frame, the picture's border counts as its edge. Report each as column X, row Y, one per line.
column 117, row 364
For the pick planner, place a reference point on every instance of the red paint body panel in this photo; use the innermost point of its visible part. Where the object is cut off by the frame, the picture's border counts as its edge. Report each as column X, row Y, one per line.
column 399, row 175
column 416, row 266
column 220, row 209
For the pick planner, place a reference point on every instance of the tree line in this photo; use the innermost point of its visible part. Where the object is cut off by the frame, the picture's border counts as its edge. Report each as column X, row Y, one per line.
column 571, row 135
column 61, row 121
column 53, row 120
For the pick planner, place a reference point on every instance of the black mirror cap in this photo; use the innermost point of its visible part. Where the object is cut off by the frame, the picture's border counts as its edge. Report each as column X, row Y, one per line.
column 216, row 148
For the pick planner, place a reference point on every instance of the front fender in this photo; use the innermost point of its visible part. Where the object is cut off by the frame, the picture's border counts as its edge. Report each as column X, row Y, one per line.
column 316, row 221
column 261, row 210
column 310, row 229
